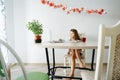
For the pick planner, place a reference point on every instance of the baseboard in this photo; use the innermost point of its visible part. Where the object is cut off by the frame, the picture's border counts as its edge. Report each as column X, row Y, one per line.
column 44, row 64
column 36, row 64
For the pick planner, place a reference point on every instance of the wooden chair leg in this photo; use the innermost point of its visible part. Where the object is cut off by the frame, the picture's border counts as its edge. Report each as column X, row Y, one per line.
column 9, row 71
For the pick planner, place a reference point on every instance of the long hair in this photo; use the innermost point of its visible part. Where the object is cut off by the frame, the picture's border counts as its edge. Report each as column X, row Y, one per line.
column 76, row 37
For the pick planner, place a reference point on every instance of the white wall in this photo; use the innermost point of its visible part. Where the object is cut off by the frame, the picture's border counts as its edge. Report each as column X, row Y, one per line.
column 9, row 22
column 20, row 28
column 57, row 25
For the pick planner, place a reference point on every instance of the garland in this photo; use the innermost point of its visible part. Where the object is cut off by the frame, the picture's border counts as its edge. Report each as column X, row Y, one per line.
column 73, row 10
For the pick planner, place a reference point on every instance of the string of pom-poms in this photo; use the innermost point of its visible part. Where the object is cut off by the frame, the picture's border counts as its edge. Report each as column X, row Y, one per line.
column 73, row 10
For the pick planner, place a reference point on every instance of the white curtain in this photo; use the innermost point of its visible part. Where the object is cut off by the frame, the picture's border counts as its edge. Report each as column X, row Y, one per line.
column 3, row 28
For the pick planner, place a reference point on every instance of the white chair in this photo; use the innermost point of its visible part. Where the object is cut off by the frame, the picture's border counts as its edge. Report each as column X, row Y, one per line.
column 26, row 75
column 67, row 61
column 113, row 65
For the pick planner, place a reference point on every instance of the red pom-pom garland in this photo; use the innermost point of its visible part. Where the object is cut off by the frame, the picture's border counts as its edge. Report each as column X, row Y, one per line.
column 73, row 10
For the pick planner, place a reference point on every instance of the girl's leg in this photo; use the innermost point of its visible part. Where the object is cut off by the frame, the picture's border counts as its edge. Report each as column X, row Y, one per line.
column 77, row 54
column 72, row 53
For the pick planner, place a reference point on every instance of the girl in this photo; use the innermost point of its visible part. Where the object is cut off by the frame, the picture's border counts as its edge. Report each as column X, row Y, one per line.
column 75, row 53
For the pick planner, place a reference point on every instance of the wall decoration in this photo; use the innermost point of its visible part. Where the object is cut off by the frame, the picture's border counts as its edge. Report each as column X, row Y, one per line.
column 73, row 10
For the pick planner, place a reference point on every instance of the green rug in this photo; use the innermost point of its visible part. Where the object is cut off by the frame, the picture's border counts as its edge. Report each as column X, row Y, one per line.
column 35, row 76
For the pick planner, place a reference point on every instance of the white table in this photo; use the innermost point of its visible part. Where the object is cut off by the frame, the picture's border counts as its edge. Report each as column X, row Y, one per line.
column 68, row 45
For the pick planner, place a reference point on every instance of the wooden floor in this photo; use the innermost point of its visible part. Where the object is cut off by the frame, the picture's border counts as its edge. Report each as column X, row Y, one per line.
column 15, row 71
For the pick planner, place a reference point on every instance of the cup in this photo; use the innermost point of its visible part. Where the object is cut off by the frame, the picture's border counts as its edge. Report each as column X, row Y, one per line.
column 84, row 39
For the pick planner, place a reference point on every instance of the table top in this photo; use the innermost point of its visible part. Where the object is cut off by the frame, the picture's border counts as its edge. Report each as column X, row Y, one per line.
column 71, row 45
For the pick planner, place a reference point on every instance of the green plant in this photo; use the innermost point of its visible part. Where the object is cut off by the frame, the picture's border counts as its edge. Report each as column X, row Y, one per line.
column 35, row 27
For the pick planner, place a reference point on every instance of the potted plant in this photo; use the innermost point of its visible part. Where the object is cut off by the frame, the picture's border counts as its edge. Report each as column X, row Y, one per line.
column 37, row 29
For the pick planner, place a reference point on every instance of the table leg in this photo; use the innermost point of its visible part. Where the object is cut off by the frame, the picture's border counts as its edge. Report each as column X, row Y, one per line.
column 48, row 63
column 53, row 50
column 92, row 62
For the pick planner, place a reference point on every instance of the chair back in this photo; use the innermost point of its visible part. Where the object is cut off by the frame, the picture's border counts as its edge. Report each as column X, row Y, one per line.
column 3, row 64
column 113, row 64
